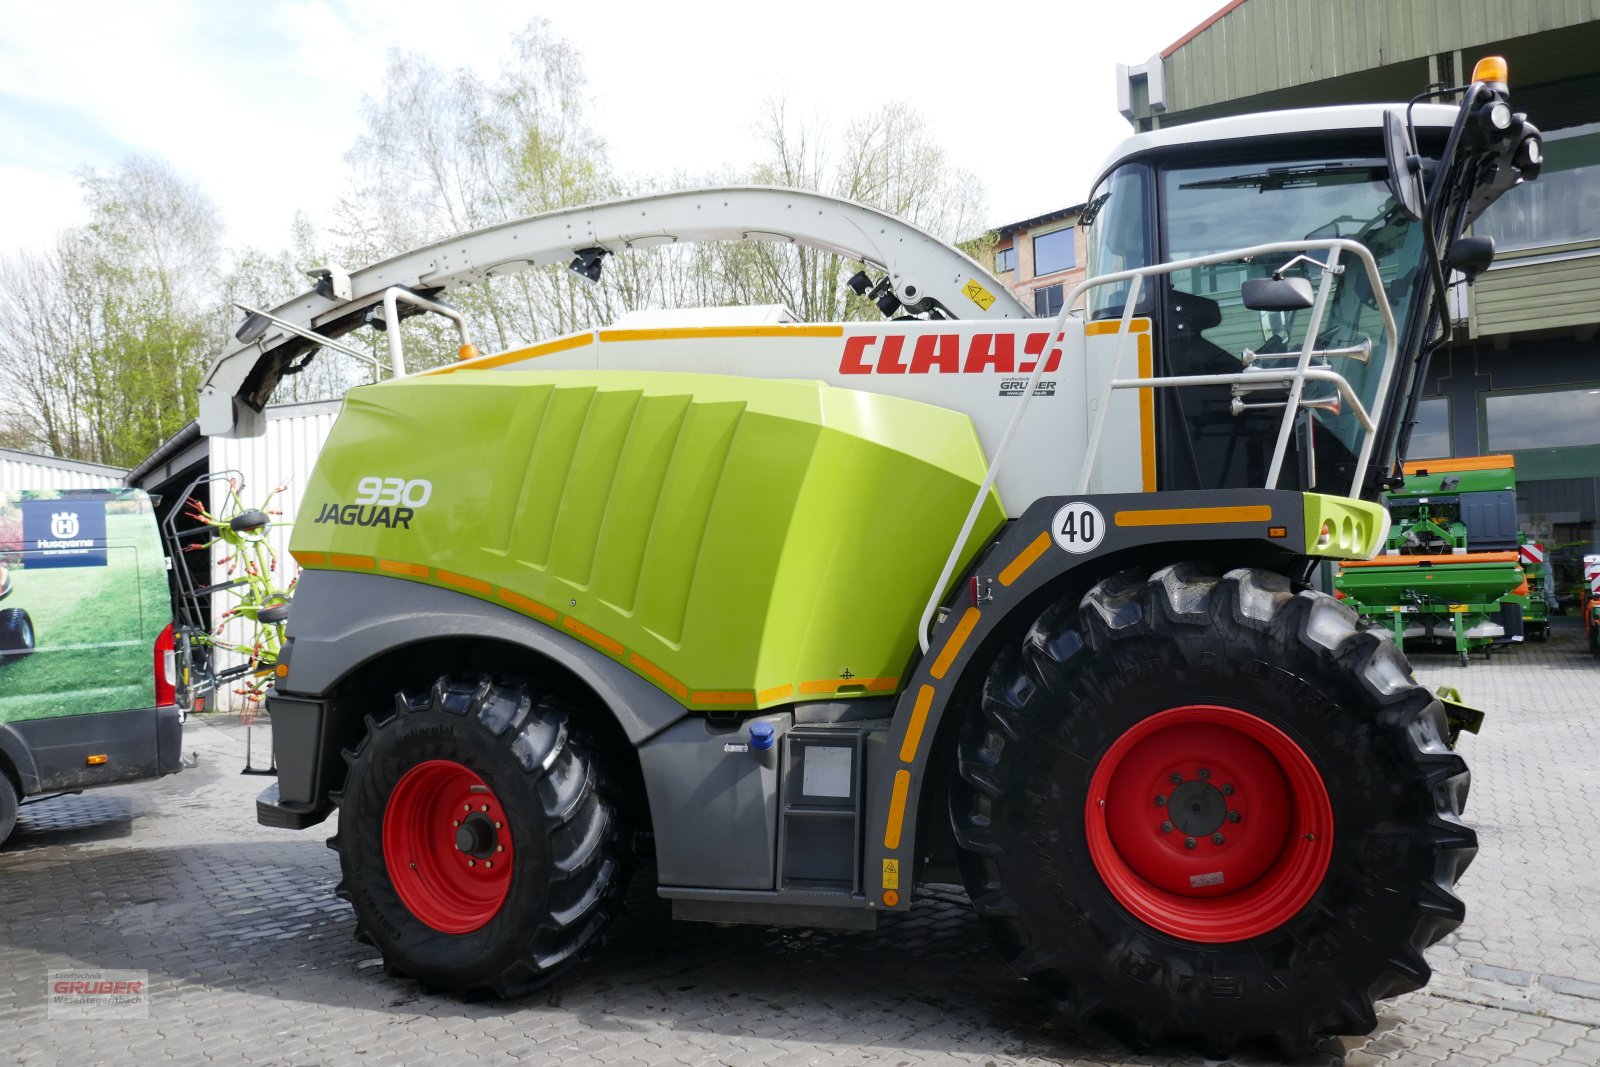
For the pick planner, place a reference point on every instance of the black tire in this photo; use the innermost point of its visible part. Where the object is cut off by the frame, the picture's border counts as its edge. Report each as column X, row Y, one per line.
column 1139, row 644
column 16, row 633
column 571, row 859
column 8, row 806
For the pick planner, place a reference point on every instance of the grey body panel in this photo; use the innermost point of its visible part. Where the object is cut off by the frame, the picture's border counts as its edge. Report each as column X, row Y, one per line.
column 50, row 755
column 340, row 621
column 714, row 811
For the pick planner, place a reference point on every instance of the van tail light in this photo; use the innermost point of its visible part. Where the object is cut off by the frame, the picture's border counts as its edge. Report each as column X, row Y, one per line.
column 166, row 669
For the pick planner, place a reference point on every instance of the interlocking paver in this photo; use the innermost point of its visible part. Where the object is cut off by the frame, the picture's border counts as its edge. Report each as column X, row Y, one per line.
column 251, row 961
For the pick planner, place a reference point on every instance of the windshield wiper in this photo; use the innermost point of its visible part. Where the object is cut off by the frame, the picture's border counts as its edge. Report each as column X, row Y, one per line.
column 1291, row 177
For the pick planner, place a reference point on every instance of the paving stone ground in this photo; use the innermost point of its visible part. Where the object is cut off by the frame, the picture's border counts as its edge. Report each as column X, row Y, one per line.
column 251, row 961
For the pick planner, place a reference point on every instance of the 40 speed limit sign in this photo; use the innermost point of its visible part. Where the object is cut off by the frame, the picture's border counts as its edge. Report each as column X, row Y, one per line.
column 1078, row 527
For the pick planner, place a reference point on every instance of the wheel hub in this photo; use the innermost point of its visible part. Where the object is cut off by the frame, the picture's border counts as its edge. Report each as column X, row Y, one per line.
column 1198, row 808
column 447, row 846
column 1209, row 823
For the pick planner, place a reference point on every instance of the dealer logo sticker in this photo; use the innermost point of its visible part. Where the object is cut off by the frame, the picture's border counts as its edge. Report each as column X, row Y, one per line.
column 1078, row 527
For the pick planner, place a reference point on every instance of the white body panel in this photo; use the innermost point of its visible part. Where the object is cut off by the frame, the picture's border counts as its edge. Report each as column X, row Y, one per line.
column 978, row 368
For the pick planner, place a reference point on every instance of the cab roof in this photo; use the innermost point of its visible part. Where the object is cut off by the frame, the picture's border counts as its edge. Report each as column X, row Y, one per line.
column 1352, row 117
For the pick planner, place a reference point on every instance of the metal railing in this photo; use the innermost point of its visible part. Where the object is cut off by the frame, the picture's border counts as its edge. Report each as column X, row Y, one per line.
column 1251, row 379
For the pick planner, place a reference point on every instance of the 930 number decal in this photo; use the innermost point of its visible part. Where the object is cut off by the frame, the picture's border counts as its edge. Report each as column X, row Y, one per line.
column 394, row 492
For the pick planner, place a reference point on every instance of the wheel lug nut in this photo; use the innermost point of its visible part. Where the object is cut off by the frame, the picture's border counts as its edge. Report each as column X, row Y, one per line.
column 497, row 826
column 490, row 863
column 484, row 808
column 472, row 863
column 455, row 822
column 1176, row 778
column 1188, row 842
column 1227, row 790
column 1161, row 801
column 1217, row 839
column 499, row 848
column 1166, row 828
column 1233, row 816
column 1204, row 774
column 466, row 807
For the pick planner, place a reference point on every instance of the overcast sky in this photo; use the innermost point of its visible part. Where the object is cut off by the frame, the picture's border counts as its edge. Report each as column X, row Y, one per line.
column 258, row 102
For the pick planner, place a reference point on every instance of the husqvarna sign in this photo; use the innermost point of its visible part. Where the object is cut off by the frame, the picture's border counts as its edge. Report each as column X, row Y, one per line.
column 64, row 533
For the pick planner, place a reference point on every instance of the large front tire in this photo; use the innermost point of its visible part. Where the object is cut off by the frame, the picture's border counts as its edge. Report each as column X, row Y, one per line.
column 477, row 843
column 1207, row 809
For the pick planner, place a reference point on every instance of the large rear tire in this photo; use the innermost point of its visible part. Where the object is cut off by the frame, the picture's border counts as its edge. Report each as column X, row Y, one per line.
column 9, row 802
column 477, row 843
column 1208, row 810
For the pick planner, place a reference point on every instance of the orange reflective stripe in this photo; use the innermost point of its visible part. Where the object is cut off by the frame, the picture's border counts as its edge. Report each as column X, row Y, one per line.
column 724, row 696
column 919, row 719
column 1465, row 463
column 394, row 566
column 897, row 809
column 1194, row 516
column 1025, row 559
column 666, row 680
column 952, row 647
column 365, row 563
column 594, row 637
column 462, row 581
column 309, row 559
column 1436, row 561
column 531, row 607
column 779, row 692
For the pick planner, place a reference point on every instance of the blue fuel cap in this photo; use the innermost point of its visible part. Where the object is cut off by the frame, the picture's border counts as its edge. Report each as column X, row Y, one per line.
column 761, row 736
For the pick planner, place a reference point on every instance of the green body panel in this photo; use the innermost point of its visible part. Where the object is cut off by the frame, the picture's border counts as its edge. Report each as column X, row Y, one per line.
column 1338, row 527
column 1427, row 484
column 95, row 627
column 1454, row 583
column 739, row 542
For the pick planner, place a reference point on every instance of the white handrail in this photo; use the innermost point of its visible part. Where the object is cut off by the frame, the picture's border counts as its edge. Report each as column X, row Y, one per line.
column 1301, row 373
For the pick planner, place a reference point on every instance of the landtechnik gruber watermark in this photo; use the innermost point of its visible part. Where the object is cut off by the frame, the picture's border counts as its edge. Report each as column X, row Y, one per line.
column 93, row 993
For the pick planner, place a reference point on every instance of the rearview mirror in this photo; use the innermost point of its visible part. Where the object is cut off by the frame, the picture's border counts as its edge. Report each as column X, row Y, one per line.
column 1404, row 182
column 1470, row 255
column 1276, row 294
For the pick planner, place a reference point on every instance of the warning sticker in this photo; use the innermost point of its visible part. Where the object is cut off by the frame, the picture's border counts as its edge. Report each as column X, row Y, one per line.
column 978, row 294
column 891, row 874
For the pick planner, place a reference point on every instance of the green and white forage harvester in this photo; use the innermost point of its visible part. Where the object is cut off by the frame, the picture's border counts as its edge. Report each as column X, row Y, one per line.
column 803, row 615
column 1454, row 564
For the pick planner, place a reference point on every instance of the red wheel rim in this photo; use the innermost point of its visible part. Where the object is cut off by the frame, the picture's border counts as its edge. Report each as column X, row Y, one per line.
column 1209, row 823
column 447, row 844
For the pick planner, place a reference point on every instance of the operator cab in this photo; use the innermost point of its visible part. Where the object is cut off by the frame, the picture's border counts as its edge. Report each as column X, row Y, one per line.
column 1254, row 180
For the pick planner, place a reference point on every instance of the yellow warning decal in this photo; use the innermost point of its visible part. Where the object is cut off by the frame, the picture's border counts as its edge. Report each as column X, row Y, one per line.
column 891, row 874
column 978, row 294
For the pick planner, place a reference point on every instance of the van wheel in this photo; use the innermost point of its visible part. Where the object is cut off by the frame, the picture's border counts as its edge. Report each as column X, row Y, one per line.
column 8, row 806
column 16, row 632
column 1208, row 810
column 477, row 842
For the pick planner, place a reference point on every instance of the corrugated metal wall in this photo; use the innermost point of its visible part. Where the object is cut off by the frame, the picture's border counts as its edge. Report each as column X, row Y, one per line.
column 284, row 455
column 23, row 470
column 1267, row 45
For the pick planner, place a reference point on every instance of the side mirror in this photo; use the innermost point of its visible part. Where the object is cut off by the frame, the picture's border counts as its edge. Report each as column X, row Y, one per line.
column 1470, row 255
column 1404, row 182
column 1276, row 294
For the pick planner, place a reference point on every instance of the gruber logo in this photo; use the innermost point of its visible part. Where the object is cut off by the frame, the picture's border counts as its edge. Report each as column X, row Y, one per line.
column 391, row 502
column 941, row 353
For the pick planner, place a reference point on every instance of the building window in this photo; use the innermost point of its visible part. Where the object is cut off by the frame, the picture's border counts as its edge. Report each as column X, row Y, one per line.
column 1047, row 300
column 1054, row 251
column 1005, row 259
column 1552, row 418
column 1562, row 207
column 1430, row 437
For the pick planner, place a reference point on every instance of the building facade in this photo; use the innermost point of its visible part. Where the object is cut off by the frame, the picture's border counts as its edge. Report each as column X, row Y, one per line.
column 1041, row 259
column 1521, row 373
